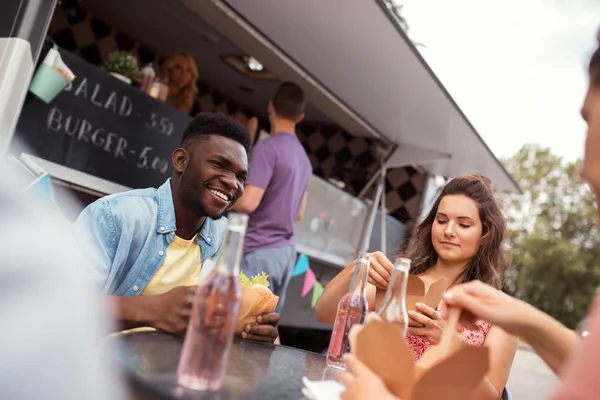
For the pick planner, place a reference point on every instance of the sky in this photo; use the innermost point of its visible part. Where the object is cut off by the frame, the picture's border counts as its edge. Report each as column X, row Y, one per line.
column 516, row 68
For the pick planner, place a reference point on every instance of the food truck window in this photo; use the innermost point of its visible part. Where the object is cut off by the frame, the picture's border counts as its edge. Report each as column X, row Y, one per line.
column 227, row 82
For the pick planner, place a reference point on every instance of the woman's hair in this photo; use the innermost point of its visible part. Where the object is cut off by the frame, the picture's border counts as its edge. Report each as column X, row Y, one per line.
column 185, row 99
column 488, row 262
column 594, row 67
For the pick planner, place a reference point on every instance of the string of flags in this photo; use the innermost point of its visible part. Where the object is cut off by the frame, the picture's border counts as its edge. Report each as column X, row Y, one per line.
column 310, row 279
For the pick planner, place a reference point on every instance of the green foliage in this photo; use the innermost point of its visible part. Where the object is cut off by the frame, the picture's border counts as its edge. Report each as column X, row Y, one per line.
column 396, row 8
column 553, row 235
column 123, row 63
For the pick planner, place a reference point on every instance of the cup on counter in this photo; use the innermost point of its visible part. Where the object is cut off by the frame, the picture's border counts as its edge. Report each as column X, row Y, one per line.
column 51, row 77
column 159, row 91
column 147, row 78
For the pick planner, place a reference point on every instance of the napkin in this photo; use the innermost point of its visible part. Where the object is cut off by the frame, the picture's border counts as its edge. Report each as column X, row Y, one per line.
column 322, row 390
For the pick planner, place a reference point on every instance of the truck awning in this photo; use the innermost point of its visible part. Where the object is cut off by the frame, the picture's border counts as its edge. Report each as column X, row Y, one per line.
column 363, row 65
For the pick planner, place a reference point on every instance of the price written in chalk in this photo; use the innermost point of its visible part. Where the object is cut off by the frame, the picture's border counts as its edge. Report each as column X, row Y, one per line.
column 159, row 124
column 84, row 131
column 118, row 104
column 147, row 161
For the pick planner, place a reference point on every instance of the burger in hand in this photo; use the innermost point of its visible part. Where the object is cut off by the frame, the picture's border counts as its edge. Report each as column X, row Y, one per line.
column 256, row 299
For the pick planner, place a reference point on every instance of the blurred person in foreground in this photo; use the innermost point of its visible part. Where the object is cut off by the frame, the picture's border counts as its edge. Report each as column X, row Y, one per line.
column 153, row 246
column 51, row 323
column 576, row 360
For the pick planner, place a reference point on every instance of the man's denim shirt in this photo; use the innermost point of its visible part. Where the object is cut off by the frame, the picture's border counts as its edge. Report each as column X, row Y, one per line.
column 126, row 236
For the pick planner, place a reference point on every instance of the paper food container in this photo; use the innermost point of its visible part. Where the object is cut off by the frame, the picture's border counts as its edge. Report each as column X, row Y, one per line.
column 418, row 292
column 451, row 370
column 255, row 300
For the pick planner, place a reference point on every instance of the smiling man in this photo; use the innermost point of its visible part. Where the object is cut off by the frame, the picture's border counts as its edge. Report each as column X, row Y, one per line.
column 151, row 245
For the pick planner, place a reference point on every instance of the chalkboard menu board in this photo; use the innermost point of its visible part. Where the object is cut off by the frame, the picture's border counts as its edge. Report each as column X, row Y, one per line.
column 103, row 127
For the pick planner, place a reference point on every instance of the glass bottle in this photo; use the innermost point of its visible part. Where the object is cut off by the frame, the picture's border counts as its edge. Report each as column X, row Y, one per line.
column 393, row 306
column 352, row 309
column 211, row 326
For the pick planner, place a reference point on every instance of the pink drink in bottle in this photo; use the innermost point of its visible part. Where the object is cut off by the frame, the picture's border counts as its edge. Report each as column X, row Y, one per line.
column 352, row 309
column 210, row 330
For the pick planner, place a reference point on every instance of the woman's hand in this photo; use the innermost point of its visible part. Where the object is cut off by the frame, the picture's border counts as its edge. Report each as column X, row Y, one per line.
column 481, row 301
column 432, row 319
column 380, row 270
column 362, row 383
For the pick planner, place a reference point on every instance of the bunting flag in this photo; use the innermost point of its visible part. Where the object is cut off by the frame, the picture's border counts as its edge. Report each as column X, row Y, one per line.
column 310, row 279
column 42, row 189
column 317, row 292
column 309, row 282
column 301, row 266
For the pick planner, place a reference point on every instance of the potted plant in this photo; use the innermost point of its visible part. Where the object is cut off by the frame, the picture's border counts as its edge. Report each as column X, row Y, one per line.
column 123, row 66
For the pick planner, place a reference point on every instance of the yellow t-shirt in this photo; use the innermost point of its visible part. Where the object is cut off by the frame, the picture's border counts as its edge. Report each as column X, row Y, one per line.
column 181, row 267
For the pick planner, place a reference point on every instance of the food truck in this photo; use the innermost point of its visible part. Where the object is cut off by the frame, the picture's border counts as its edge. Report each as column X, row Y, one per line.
column 379, row 126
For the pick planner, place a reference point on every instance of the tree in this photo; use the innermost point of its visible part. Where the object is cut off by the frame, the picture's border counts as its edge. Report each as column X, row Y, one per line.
column 554, row 238
column 396, row 8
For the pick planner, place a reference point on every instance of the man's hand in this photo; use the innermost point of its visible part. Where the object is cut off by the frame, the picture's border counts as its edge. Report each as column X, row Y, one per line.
column 170, row 312
column 432, row 319
column 265, row 330
column 362, row 383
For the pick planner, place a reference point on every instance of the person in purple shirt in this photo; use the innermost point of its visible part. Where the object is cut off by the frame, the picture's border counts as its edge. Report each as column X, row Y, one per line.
column 275, row 192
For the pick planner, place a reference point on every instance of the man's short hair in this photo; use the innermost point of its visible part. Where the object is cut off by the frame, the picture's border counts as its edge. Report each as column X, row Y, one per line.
column 289, row 101
column 206, row 124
